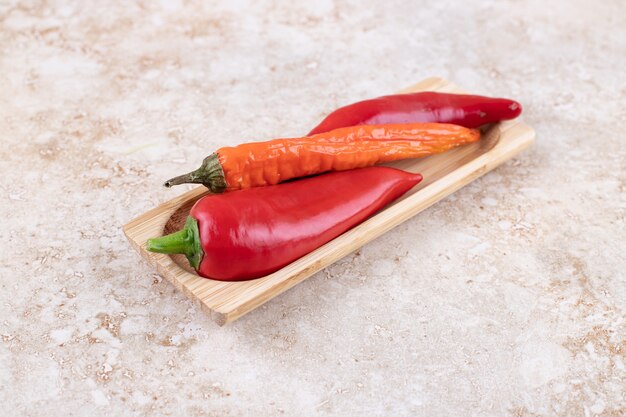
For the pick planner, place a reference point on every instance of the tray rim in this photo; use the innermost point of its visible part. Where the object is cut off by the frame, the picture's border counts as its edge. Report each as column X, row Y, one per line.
column 230, row 310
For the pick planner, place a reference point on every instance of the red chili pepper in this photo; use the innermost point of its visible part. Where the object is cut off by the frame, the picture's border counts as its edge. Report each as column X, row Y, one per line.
column 424, row 107
column 250, row 233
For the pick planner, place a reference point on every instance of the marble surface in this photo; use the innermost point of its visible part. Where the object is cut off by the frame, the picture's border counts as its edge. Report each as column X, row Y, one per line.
column 507, row 298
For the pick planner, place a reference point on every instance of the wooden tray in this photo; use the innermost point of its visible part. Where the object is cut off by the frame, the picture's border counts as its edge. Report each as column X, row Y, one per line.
column 443, row 174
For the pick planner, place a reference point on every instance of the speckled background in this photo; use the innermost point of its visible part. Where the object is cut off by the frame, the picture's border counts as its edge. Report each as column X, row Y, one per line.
column 507, row 298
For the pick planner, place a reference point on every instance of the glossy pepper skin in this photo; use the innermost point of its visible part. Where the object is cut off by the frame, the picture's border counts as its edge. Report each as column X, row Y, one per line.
column 423, row 107
column 266, row 163
column 251, row 233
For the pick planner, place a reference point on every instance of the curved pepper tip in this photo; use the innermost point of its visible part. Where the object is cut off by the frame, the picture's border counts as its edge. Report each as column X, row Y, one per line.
column 516, row 109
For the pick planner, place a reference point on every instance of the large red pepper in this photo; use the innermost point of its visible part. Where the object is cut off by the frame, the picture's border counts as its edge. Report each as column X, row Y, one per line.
column 251, row 233
column 424, row 107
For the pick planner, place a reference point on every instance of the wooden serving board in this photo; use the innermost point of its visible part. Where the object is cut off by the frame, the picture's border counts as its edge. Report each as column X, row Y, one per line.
column 443, row 174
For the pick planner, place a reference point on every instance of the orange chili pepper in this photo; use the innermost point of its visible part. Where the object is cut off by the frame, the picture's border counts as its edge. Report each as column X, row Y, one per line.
column 268, row 163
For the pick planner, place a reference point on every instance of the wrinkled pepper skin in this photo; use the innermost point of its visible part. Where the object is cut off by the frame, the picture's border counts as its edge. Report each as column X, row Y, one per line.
column 251, row 233
column 258, row 164
column 424, row 107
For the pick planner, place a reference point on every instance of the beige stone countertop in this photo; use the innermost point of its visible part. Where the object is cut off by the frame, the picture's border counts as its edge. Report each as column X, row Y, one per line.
column 507, row 298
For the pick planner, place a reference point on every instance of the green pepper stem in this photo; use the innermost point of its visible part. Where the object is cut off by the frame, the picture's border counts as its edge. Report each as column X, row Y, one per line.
column 210, row 174
column 185, row 241
column 177, row 242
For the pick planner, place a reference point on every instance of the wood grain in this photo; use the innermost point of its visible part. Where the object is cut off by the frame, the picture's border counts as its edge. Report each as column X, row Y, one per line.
column 443, row 174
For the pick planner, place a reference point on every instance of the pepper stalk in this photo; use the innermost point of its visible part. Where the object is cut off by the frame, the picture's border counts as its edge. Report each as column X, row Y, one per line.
column 210, row 174
column 185, row 241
